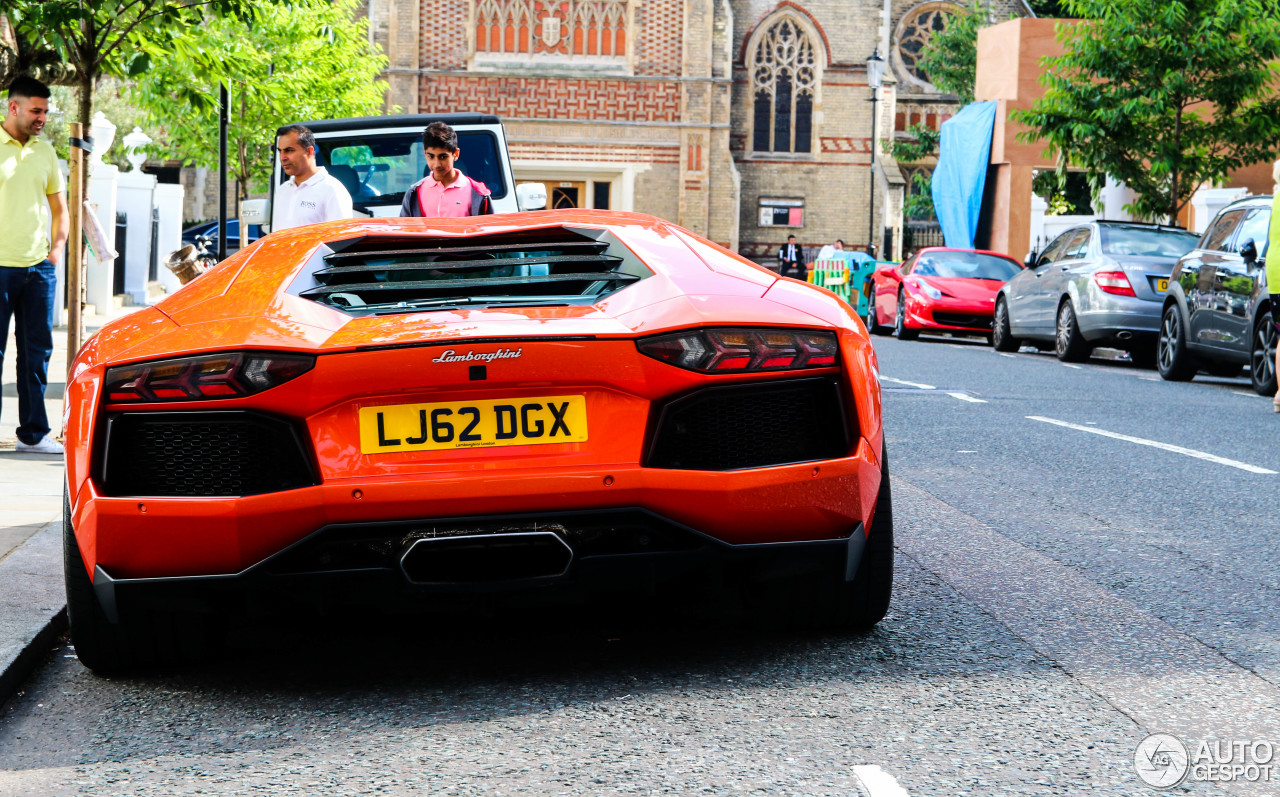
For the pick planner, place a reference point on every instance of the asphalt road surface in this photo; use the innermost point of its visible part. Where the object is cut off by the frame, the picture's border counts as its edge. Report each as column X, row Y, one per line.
column 1086, row 555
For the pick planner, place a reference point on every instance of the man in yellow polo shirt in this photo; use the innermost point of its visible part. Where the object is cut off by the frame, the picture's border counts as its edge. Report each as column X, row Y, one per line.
column 31, row 197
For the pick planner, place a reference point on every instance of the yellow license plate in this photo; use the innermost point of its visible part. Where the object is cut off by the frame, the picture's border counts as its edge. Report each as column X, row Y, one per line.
column 1162, row 285
column 536, row 420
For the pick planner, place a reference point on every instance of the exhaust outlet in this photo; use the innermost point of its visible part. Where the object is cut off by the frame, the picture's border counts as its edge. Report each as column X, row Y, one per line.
column 1124, row 335
column 486, row 558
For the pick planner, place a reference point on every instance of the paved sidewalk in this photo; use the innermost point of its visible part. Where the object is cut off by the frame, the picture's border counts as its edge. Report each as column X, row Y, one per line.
column 32, row 610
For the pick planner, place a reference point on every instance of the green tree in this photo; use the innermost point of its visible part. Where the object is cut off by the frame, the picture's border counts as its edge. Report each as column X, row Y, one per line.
column 78, row 41
column 950, row 59
column 308, row 60
column 1165, row 95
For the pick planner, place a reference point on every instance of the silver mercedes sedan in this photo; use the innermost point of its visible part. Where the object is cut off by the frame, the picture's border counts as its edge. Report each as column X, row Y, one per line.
column 1099, row 284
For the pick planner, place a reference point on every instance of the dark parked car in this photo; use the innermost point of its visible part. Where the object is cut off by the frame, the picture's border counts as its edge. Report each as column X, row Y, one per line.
column 1217, row 316
column 1099, row 284
column 210, row 228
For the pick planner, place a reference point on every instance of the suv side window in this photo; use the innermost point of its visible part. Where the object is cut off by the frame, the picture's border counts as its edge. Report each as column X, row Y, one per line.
column 1220, row 233
column 1053, row 251
column 1079, row 245
column 1256, row 226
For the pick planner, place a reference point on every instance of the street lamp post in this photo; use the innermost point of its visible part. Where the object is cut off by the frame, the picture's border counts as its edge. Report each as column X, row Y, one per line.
column 875, row 74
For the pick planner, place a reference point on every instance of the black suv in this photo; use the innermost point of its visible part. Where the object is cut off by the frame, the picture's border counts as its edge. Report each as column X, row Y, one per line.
column 1217, row 314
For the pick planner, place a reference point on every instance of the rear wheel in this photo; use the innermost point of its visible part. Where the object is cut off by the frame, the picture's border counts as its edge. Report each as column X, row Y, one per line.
column 1262, row 358
column 1172, row 359
column 1001, row 336
column 1071, row 345
column 900, row 330
column 864, row 601
column 804, row 602
column 142, row 639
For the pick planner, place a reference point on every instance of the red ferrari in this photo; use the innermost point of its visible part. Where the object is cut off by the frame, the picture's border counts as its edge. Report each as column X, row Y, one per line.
column 938, row 289
column 429, row 413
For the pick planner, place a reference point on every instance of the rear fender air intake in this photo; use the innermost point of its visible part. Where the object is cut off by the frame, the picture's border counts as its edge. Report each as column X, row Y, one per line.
column 210, row 454
column 756, row 425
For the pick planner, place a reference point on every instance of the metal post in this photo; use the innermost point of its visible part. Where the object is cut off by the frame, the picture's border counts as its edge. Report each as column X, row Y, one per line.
column 222, row 172
column 871, row 180
column 75, row 245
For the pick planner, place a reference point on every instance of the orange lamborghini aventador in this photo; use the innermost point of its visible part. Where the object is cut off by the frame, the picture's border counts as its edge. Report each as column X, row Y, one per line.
column 414, row 412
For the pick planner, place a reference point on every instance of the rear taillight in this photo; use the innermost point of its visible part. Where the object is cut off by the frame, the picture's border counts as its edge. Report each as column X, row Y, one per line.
column 212, row 376
column 1114, row 282
column 738, row 350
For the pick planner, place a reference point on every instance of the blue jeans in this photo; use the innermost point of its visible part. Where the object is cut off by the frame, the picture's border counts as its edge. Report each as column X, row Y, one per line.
column 27, row 294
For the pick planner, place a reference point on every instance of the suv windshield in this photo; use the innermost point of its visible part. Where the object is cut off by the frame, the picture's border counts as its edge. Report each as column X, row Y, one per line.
column 378, row 168
column 965, row 265
column 1146, row 241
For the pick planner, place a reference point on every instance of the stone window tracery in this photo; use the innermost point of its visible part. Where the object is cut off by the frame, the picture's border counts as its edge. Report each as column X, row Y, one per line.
column 785, row 77
column 595, row 31
column 914, row 32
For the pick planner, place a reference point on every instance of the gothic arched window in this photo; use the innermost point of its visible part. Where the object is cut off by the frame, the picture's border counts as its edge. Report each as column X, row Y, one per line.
column 785, row 76
column 914, row 32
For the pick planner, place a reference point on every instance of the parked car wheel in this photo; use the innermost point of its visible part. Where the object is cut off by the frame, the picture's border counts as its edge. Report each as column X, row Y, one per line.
column 865, row 600
column 873, row 322
column 1001, row 337
column 1262, row 360
column 145, row 638
column 1071, row 345
column 900, row 330
column 1172, row 360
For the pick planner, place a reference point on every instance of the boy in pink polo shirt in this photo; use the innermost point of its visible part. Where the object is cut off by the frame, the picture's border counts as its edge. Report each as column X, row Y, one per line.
column 445, row 191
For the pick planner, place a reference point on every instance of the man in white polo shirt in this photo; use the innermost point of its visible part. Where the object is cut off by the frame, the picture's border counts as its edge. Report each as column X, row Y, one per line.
column 310, row 195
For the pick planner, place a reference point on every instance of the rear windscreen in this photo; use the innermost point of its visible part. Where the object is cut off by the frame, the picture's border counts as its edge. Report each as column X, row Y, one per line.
column 965, row 265
column 377, row 168
column 1146, row 241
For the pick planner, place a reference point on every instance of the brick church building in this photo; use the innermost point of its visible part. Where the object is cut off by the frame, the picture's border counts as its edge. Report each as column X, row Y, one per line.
column 742, row 120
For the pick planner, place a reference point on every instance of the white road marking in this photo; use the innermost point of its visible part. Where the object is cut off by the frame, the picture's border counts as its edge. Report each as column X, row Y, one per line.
column 1007, row 354
column 965, row 451
column 1069, row 365
column 967, row 397
column 905, row 382
column 1249, row 393
column 1151, row 379
column 1188, row 452
column 877, row 782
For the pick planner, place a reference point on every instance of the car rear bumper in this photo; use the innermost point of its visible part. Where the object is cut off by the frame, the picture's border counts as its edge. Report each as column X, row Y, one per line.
column 1136, row 319
column 365, row 564
column 140, row 537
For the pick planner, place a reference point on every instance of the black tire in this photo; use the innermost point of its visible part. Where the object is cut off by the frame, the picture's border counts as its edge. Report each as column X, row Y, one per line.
column 865, row 600
column 873, row 324
column 1173, row 361
column 1262, row 358
column 1001, row 336
column 809, row 601
column 900, row 330
column 1070, row 345
column 143, row 640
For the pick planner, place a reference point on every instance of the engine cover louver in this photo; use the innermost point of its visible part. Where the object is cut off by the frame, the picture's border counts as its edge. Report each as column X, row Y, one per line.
column 546, row 267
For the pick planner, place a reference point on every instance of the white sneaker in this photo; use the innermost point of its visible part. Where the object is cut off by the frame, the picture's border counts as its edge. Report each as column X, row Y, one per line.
column 46, row 446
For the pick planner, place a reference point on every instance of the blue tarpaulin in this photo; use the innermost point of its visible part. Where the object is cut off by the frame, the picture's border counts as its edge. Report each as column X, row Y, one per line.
column 963, row 154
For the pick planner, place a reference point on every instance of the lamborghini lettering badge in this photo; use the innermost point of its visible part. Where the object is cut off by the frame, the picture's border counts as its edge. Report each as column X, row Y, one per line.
column 450, row 356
